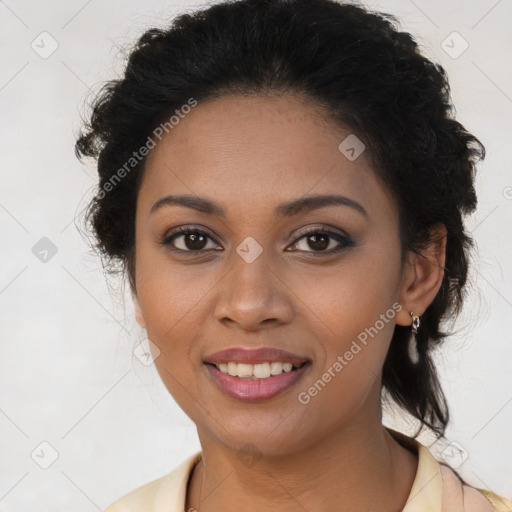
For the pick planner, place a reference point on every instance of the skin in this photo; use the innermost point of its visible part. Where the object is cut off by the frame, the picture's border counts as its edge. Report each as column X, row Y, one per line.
column 250, row 154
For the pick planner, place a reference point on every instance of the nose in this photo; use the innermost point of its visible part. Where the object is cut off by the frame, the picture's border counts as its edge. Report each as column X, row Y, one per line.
column 252, row 295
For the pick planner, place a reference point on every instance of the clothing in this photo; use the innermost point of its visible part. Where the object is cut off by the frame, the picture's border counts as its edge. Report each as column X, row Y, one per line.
column 436, row 488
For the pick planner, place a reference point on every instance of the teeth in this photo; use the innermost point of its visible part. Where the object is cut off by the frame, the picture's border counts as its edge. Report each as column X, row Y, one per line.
column 261, row 371
column 254, row 371
column 233, row 369
column 276, row 368
column 244, row 370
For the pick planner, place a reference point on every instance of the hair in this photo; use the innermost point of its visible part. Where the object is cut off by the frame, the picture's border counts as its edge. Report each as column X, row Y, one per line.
column 361, row 72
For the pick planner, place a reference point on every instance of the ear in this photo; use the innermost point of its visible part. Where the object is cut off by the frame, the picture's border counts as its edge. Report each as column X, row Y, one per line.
column 422, row 276
column 138, row 311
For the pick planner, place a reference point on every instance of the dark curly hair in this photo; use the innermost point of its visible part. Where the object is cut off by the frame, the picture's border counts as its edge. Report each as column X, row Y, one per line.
column 363, row 73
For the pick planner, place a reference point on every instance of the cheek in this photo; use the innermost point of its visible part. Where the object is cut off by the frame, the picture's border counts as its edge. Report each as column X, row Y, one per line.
column 351, row 354
column 171, row 320
column 170, row 300
column 171, row 310
column 169, row 291
column 355, row 306
column 351, row 295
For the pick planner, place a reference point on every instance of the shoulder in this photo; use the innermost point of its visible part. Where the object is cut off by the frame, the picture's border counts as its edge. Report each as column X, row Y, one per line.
column 142, row 498
column 437, row 487
column 166, row 493
column 458, row 495
column 500, row 503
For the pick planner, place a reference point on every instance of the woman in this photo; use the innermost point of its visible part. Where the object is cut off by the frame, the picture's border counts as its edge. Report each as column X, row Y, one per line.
column 284, row 185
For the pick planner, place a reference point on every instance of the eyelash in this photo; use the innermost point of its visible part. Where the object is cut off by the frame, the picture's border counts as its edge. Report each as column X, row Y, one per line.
column 345, row 240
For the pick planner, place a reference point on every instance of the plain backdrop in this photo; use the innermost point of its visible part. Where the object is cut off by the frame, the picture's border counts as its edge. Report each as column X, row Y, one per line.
column 83, row 421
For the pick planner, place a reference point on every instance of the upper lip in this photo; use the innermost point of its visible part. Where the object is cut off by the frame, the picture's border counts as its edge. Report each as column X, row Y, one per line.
column 255, row 356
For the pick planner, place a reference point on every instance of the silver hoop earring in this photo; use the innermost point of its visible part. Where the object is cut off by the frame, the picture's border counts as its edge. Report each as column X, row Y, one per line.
column 413, row 340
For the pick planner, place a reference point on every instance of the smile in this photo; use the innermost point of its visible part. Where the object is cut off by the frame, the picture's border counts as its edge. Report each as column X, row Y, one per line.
column 258, row 382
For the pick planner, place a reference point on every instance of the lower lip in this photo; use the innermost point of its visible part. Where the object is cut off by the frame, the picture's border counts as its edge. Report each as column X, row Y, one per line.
column 255, row 390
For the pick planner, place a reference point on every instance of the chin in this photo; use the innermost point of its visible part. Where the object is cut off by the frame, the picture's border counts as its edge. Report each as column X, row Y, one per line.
column 259, row 442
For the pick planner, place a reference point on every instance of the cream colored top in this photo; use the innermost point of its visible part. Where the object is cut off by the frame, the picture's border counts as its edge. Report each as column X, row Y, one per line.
column 436, row 488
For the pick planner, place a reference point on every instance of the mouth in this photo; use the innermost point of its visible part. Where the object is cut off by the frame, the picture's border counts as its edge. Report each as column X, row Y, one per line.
column 255, row 374
column 256, row 382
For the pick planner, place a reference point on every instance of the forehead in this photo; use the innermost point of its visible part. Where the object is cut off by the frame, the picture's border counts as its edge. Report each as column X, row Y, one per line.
column 252, row 152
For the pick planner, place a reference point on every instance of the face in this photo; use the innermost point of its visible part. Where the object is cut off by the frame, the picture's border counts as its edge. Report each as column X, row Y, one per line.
column 310, row 281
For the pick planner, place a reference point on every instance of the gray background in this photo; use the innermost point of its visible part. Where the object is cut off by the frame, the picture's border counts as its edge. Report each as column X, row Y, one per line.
column 67, row 371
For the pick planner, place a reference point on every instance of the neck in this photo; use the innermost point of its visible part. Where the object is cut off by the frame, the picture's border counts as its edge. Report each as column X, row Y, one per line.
column 356, row 469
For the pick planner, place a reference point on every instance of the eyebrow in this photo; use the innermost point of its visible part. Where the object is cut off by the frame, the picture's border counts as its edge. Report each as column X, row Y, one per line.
column 301, row 205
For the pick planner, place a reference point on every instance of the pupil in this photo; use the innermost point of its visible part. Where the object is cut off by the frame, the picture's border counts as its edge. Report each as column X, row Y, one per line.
column 321, row 245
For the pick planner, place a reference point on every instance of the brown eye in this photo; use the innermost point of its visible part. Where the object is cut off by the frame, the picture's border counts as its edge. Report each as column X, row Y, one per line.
column 320, row 240
column 188, row 240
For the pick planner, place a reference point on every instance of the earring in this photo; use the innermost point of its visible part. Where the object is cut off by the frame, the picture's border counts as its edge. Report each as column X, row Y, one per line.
column 413, row 340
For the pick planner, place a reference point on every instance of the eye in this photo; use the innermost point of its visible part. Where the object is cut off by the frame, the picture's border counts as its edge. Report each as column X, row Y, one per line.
column 321, row 239
column 192, row 240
